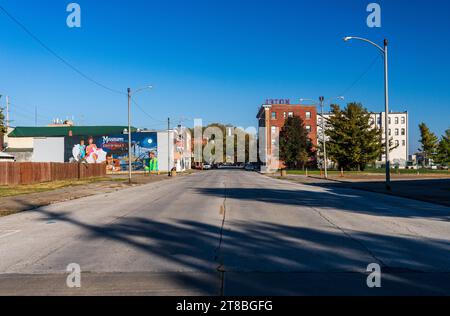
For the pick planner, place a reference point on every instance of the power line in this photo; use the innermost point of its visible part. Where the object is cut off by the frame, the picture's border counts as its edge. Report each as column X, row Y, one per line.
column 51, row 51
column 25, row 109
column 143, row 111
column 366, row 71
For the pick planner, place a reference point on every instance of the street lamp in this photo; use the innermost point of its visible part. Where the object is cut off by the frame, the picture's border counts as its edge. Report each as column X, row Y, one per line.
column 384, row 51
column 130, row 94
column 322, row 101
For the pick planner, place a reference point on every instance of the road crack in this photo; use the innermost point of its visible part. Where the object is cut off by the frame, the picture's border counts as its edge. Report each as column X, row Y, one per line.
column 342, row 230
column 218, row 258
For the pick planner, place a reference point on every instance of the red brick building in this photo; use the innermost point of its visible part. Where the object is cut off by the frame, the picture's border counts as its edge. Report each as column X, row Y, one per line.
column 273, row 116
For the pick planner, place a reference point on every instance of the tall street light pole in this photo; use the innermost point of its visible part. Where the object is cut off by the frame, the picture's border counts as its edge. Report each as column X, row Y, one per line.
column 325, row 161
column 130, row 95
column 129, row 135
column 384, row 51
column 169, row 172
column 324, row 139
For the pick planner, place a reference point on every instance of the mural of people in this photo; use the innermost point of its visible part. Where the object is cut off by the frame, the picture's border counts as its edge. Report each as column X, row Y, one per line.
column 152, row 166
column 91, row 150
column 93, row 153
column 100, row 149
column 79, row 151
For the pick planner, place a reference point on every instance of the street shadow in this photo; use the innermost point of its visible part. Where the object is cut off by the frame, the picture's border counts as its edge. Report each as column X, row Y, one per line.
column 261, row 258
column 428, row 190
column 332, row 197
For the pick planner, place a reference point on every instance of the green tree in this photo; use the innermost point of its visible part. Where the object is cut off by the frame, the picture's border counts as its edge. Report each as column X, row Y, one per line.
column 353, row 142
column 2, row 122
column 443, row 151
column 224, row 130
column 429, row 142
column 295, row 146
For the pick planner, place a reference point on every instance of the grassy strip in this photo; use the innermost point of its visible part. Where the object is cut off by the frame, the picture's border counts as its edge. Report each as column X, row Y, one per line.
column 49, row 186
column 372, row 172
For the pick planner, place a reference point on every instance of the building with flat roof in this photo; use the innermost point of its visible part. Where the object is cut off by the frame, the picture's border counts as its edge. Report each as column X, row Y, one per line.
column 61, row 143
column 37, row 144
column 272, row 116
column 398, row 131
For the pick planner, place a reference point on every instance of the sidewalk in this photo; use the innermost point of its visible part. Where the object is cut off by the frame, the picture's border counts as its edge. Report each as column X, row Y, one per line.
column 18, row 203
column 433, row 189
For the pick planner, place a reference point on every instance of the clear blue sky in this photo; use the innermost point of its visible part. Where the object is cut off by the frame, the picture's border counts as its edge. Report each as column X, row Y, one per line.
column 220, row 59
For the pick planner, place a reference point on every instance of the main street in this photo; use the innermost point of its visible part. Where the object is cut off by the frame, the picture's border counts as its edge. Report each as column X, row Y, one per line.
column 228, row 232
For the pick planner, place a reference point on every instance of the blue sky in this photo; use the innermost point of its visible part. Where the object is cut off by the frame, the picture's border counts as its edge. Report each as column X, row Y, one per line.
column 220, row 59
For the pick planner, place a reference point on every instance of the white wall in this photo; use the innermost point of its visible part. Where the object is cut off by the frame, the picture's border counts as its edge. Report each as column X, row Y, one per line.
column 399, row 122
column 48, row 149
column 162, row 151
column 398, row 155
column 20, row 142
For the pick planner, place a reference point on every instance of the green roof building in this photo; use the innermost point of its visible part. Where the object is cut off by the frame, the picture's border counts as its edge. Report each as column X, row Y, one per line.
column 64, row 131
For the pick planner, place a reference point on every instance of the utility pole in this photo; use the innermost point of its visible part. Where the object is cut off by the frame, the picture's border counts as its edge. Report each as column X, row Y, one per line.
column 129, row 93
column 325, row 161
column 386, row 94
column 129, row 135
column 7, row 114
column 168, row 147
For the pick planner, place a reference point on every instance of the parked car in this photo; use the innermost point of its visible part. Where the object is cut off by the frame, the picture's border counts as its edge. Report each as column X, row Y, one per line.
column 207, row 167
column 249, row 167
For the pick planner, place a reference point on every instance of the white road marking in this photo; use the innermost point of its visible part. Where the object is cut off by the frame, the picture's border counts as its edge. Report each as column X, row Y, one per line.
column 6, row 233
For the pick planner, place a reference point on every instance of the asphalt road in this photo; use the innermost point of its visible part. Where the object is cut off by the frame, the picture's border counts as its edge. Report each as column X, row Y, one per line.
column 228, row 232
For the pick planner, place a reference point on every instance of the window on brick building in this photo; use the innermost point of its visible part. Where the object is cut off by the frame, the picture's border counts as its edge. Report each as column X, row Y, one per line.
column 308, row 128
column 274, row 115
column 308, row 115
column 291, row 114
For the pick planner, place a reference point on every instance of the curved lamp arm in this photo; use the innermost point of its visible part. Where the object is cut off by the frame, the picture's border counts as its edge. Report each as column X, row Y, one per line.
column 348, row 38
column 141, row 89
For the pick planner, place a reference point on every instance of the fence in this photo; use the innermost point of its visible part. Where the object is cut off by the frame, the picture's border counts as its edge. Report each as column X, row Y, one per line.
column 20, row 173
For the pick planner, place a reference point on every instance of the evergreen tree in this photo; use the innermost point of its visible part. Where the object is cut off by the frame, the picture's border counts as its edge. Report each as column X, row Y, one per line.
column 443, row 151
column 429, row 142
column 353, row 142
column 295, row 146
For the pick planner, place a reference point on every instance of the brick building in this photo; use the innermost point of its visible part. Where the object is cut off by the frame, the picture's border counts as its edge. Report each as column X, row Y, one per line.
column 273, row 115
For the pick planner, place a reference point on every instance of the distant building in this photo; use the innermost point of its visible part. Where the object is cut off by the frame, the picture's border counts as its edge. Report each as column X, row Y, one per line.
column 46, row 144
column 56, row 144
column 398, row 131
column 273, row 117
